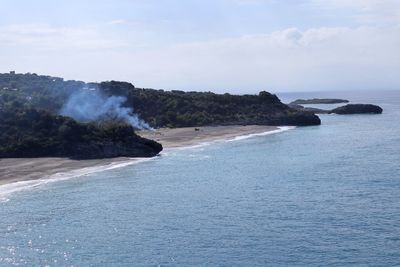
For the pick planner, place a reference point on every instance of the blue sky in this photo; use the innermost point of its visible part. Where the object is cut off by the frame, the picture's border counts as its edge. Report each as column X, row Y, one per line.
column 238, row 46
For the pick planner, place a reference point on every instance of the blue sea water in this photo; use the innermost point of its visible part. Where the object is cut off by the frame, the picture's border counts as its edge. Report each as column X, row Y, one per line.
column 312, row 196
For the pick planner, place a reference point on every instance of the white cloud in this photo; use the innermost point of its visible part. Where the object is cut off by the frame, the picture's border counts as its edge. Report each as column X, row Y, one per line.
column 366, row 11
column 291, row 59
column 45, row 37
column 288, row 60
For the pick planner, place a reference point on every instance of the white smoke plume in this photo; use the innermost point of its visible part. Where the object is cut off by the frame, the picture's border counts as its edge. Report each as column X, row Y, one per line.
column 91, row 105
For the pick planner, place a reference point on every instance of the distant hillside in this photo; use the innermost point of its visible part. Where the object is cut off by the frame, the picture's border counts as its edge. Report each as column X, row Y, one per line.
column 158, row 108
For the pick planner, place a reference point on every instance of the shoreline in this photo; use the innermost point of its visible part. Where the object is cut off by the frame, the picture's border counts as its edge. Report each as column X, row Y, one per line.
column 172, row 138
column 29, row 172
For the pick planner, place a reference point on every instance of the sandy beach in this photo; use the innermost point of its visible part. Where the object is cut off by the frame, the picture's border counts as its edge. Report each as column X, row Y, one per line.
column 181, row 137
column 15, row 170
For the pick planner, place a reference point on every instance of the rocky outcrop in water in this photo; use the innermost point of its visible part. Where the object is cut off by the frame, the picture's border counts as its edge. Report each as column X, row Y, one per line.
column 308, row 109
column 319, row 101
column 343, row 110
column 357, row 109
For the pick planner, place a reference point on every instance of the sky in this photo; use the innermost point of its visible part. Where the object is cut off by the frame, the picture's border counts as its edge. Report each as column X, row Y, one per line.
column 236, row 46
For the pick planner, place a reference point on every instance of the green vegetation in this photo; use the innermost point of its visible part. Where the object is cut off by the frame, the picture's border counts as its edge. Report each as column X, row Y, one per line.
column 31, row 127
column 27, row 132
column 158, row 107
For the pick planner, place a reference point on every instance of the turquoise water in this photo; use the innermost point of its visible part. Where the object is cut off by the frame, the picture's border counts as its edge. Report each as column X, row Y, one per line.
column 315, row 196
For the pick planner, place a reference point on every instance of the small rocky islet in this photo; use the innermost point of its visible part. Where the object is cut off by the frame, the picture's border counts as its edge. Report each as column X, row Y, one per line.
column 357, row 109
column 348, row 109
column 319, row 101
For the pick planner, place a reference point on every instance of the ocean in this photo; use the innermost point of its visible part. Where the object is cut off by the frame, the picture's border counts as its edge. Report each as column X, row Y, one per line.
column 309, row 196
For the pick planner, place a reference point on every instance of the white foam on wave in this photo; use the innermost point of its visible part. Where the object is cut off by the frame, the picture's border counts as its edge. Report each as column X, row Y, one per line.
column 247, row 136
column 8, row 189
column 196, row 146
column 236, row 138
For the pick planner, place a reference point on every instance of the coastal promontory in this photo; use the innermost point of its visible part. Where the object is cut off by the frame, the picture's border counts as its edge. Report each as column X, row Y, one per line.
column 31, row 133
column 157, row 107
column 44, row 116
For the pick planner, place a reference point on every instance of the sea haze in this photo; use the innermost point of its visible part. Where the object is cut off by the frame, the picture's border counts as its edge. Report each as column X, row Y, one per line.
column 321, row 195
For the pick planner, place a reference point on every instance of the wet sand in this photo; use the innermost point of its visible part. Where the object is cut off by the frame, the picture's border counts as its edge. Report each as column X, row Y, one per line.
column 15, row 170
column 181, row 137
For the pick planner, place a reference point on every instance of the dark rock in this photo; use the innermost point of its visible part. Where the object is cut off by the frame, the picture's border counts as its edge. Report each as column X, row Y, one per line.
column 316, row 110
column 295, row 106
column 31, row 133
column 136, row 147
column 299, row 118
column 319, row 101
column 308, row 109
column 357, row 109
